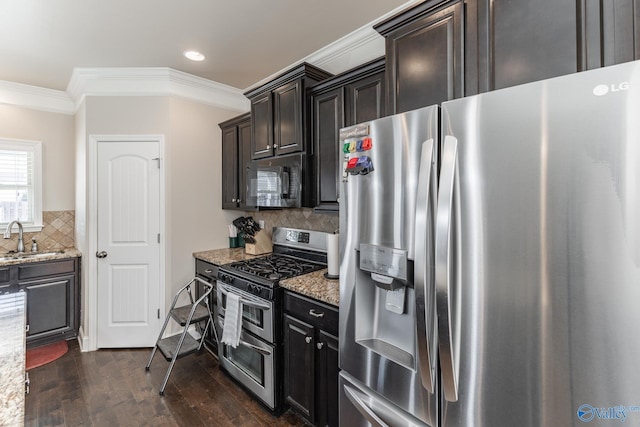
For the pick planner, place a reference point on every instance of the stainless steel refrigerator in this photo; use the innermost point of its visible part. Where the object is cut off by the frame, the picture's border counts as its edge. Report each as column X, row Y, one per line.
column 531, row 269
column 388, row 364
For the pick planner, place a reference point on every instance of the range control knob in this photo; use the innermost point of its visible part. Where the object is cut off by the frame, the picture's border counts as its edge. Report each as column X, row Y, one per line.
column 226, row 278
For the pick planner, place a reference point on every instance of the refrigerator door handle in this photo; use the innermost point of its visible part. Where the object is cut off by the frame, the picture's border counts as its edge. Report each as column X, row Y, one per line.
column 447, row 265
column 423, row 267
column 357, row 398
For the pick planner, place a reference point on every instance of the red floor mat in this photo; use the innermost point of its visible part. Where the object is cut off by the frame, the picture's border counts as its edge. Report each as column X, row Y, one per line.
column 47, row 353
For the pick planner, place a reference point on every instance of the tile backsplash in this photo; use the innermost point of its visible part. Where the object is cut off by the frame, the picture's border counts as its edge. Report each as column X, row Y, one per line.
column 57, row 233
column 297, row 218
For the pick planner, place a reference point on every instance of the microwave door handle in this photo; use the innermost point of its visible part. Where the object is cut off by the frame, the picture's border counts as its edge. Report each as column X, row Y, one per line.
column 423, row 283
column 243, row 299
column 285, row 183
column 447, row 269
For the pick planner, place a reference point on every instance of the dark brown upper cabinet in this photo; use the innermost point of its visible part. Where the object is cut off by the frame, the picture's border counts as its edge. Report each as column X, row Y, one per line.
column 425, row 55
column 262, row 126
column 530, row 41
column 440, row 50
column 236, row 154
column 611, row 30
column 280, row 113
column 352, row 97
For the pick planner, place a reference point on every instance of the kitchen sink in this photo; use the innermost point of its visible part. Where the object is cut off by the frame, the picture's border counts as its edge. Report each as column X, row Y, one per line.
column 28, row 255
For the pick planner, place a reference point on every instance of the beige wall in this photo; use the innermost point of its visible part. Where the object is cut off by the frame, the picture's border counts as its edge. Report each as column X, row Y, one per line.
column 57, row 133
column 192, row 149
column 195, row 217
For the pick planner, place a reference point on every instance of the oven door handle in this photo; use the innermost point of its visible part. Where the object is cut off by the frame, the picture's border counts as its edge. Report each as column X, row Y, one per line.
column 260, row 350
column 244, row 300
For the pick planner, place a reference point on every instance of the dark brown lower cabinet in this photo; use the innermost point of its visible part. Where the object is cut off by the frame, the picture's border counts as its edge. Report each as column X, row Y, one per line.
column 311, row 359
column 53, row 310
column 209, row 273
column 327, row 367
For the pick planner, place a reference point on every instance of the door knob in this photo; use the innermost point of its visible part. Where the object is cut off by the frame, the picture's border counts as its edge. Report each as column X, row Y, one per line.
column 101, row 254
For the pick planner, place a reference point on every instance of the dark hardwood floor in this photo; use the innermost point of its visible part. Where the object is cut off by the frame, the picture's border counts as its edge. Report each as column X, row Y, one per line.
column 112, row 388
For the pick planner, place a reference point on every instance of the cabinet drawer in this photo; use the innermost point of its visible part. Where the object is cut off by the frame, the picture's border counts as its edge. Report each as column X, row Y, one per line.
column 5, row 275
column 207, row 270
column 29, row 271
column 316, row 313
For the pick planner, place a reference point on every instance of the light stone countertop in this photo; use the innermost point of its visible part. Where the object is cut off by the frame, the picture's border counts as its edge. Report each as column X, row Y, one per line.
column 224, row 256
column 12, row 358
column 43, row 255
column 313, row 284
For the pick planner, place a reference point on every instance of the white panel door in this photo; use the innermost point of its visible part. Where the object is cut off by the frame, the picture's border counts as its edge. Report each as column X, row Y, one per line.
column 128, row 244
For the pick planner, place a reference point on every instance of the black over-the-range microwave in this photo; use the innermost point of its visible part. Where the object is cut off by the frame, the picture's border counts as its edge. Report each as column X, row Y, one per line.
column 277, row 182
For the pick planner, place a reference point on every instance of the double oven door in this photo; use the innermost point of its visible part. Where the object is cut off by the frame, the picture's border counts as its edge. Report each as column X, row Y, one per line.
column 258, row 315
column 253, row 362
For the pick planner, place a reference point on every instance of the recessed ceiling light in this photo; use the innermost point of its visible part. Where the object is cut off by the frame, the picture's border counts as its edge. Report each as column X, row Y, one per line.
column 194, row 55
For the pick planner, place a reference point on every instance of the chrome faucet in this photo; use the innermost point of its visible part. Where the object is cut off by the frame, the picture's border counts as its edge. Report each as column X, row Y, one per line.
column 7, row 234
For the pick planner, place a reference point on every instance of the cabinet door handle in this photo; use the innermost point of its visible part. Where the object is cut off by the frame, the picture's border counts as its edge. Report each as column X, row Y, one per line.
column 275, row 145
column 238, row 200
column 307, row 339
column 268, row 147
column 315, row 313
column 233, row 200
column 319, row 345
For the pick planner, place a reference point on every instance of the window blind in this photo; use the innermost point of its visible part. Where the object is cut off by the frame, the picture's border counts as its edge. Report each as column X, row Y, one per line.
column 16, row 185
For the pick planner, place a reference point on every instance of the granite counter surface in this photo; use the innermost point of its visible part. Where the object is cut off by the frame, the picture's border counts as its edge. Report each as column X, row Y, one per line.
column 28, row 257
column 315, row 285
column 223, row 256
column 12, row 358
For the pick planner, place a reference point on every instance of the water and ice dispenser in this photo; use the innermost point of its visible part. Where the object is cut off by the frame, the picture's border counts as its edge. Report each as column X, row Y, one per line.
column 384, row 313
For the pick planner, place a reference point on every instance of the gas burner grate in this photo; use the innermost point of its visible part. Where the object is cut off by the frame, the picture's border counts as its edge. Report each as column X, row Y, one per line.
column 274, row 267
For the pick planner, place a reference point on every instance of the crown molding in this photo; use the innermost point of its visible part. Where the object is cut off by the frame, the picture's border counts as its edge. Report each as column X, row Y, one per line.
column 153, row 81
column 356, row 48
column 122, row 82
column 35, row 97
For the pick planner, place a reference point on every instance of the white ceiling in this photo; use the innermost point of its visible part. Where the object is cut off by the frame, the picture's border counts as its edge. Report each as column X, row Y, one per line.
column 245, row 41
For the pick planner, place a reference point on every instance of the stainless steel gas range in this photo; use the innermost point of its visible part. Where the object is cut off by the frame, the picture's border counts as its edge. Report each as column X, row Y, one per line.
column 257, row 362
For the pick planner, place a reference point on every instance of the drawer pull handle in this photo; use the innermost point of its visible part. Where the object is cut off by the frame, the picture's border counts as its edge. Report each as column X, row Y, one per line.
column 314, row 313
column 208, row 271
column 307, row 339
column 319, row 345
